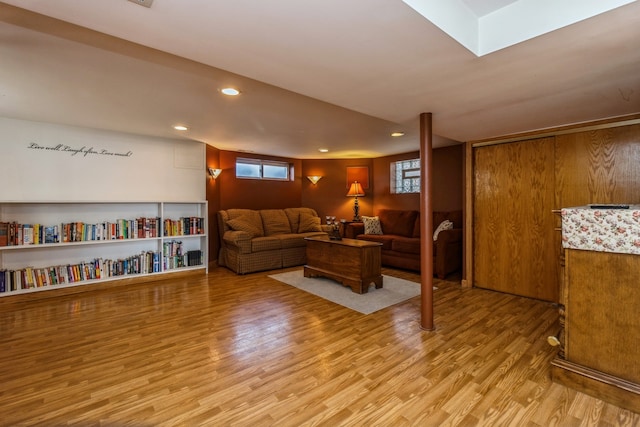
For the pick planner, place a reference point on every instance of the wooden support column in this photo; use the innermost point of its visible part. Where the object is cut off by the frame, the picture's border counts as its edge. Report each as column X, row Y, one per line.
column 426, row 224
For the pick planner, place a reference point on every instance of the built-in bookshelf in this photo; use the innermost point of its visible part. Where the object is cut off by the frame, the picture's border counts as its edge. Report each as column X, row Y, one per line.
column 52, row 245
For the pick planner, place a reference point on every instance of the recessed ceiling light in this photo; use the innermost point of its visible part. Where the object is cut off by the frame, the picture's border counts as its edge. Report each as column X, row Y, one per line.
column 145, row 3
column 180, row 127
column 323, row 150
column 230, row 91
column 396, row 134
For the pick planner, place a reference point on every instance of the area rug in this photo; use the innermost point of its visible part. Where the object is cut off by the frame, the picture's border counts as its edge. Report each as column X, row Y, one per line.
column 393, row 291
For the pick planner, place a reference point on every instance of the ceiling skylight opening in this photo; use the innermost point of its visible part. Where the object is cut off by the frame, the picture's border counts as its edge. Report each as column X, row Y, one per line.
column 230, row 91
column 484, row 27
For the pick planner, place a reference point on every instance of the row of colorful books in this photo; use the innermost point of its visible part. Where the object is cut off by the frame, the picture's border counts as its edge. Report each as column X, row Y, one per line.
column 14, row 233
column 30, row 277
column 184, row 226
column 139, row 228
column 189, row 259
column 143, row 263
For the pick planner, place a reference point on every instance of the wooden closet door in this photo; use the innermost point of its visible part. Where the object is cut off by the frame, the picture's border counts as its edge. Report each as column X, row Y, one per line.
column 513, row 199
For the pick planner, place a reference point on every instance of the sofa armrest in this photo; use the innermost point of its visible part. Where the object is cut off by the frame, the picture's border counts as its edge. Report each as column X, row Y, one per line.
column 353, row 229
column 446, row 237
column 239, row 241
column 448, row 252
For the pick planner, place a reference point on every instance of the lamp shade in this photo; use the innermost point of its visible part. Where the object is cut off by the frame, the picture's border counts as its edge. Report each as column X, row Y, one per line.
column 214, row 173
column 355, row 189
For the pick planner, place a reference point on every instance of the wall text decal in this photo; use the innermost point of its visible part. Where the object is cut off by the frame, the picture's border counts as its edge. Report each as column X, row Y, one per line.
column 83, row 151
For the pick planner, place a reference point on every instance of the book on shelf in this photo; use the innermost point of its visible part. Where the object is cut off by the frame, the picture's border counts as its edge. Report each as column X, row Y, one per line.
column 50, row 234
column 13, row 233
column 27, row 234
column 184, row 226
column 4, row 234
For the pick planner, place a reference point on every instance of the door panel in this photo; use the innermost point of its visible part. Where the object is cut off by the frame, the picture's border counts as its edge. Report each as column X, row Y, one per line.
column 513, row 220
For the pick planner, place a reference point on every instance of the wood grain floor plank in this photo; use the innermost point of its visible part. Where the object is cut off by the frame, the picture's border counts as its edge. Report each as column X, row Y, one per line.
column 228, row 350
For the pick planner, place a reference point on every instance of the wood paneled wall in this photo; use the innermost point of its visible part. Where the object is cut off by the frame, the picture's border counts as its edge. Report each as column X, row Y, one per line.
column 600, row 166
column 516, row 187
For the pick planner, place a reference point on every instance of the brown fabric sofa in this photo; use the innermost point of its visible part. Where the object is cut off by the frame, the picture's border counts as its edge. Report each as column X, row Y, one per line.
column 401, row 240
column 258, row 240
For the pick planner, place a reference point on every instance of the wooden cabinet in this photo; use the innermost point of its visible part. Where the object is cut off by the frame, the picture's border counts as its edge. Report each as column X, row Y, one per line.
column 84, row 243
column 600, row 305
column 602, row 327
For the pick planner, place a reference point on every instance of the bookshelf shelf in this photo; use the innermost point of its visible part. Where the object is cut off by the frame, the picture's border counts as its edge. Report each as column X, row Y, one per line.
column 97, row 242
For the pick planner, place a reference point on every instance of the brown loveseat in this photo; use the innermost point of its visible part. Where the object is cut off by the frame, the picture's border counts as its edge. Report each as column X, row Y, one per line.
column 401, row 240
column 257, row 240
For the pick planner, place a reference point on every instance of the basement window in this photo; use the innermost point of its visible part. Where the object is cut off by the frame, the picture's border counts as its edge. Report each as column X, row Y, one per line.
column 262, row 169
column 405, row 177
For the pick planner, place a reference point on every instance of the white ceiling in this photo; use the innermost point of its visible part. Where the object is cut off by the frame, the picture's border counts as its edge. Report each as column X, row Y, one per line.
column 484, row 7
column 339, row 74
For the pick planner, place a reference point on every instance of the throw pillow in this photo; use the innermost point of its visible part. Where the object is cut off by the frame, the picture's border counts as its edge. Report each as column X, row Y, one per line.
column 444, row 225
column 309, row 223
column 275, row 221
column 372, row 225
column 241, row 224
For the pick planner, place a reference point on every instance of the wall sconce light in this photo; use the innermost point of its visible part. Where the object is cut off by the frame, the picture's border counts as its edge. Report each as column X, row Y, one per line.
column 314, row 178
column 214, row 173
column 354, row 191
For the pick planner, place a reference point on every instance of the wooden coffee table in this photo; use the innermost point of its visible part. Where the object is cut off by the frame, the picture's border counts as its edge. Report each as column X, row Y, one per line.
column 354, row 263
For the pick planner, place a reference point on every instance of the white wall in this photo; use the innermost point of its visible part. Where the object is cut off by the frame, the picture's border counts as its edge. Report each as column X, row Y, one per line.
column 47, row 162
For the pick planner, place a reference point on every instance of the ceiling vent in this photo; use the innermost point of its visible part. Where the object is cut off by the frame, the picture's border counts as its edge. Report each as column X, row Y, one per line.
column 145, row 3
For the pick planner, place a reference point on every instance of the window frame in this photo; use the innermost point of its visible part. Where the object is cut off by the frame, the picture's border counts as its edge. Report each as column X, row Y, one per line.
column 261, row 163
column 405, row 177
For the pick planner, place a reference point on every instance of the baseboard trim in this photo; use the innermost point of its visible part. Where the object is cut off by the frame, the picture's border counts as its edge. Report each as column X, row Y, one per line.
column 598, row 384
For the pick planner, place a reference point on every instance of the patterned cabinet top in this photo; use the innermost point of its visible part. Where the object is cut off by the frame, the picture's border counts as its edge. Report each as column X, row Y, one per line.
column 602, row 228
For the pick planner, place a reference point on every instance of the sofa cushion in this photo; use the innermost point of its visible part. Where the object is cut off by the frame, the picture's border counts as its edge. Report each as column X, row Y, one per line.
column 248, row 215
column 398, row 222
column 275, row 221
column 309, row 223
column 294, row 216
column 372, row 225
column 456, row 218
column 409, row 245
column 270, row 243
column 416, row 226
column 385, row 239
column 246, row 225
column 292, row 240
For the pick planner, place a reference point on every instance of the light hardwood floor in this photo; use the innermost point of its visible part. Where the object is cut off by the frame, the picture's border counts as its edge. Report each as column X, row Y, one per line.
column 227, row 350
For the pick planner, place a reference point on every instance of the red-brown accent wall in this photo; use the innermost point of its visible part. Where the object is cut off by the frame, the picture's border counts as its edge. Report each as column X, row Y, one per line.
column 328, row 196
column 381, row 182
column 213, row 197
column 257, row 194
column 447, row 178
